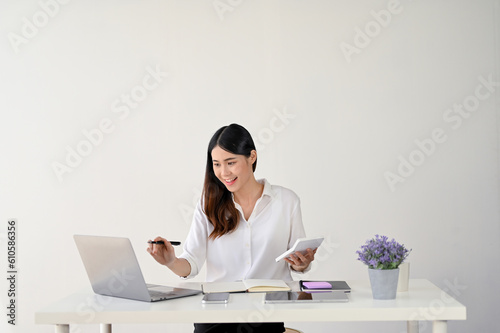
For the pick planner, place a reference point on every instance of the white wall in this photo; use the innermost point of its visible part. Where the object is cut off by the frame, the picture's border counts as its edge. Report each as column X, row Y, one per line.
column 345, row 121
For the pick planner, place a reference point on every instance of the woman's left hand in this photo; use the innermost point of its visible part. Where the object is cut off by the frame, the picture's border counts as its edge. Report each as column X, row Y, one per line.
column 299, row 261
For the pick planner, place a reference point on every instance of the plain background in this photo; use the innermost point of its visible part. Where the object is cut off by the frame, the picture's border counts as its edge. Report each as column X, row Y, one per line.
column 330, row 125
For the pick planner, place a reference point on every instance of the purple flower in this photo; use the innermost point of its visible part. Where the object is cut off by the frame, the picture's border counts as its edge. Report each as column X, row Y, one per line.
column 380, row 253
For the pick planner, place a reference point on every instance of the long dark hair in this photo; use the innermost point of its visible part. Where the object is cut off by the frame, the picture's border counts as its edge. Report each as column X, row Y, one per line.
column 218, row 204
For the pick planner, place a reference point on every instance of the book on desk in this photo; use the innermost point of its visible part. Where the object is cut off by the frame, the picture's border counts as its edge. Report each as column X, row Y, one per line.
column 317, row 285
column 250, row 285
column 268, row 285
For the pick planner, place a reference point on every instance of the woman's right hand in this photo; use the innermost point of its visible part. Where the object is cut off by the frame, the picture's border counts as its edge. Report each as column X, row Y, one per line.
column 162, row 253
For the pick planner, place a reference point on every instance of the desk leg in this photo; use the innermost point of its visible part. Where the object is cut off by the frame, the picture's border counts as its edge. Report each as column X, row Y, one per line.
column 412, row 326
column 60, row 328
column 439, row 326
column 105, row 328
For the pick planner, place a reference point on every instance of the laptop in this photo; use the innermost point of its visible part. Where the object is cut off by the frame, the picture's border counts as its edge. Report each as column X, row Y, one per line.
column 113, row 270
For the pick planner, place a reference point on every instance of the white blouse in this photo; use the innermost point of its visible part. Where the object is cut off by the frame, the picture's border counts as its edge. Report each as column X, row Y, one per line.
column 249, row 251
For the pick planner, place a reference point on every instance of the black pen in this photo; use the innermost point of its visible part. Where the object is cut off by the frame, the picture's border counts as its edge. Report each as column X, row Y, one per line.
column 175, row 243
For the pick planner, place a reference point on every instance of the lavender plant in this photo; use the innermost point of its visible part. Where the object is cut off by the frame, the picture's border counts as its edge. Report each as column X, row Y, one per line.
column 380, row 253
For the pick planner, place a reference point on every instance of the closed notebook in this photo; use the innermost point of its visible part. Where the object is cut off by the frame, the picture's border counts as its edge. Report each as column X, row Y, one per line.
column 251, row 285
column 324, row 286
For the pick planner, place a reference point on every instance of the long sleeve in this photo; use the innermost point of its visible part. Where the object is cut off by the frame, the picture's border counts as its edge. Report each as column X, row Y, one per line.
column 195, row 246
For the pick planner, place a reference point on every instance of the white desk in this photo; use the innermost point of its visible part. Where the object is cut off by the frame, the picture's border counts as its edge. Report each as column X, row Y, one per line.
column 423, row 302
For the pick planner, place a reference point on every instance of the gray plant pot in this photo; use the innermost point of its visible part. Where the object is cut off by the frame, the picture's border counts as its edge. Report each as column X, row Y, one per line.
column 384, row 283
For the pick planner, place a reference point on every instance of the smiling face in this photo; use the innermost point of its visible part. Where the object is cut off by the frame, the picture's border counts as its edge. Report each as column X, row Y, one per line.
column 234, row 171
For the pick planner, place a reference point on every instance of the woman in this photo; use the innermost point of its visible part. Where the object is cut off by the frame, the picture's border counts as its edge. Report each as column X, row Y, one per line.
column 239, row 226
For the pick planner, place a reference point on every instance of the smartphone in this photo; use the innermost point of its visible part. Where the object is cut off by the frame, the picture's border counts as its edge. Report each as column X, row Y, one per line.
column 215, row 298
